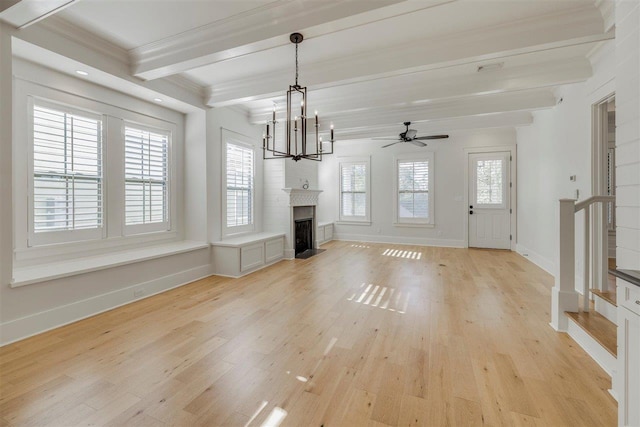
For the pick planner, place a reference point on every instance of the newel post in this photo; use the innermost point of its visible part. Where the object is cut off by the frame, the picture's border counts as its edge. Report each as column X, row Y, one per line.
column 564, row 296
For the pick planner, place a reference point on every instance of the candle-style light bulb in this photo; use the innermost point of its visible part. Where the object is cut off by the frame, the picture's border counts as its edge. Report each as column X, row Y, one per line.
column 316, row 118
column 273, row 119
column 331, row 131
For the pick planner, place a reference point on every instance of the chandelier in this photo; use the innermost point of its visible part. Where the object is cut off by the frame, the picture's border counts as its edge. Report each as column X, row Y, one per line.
column 295, row 144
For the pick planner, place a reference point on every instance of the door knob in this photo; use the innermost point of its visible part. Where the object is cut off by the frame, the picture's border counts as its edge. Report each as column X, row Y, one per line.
column 470, row 207
column 470, row 212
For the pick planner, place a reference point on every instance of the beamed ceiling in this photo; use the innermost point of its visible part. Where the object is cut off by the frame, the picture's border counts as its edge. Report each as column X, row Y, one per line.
column 369, row 64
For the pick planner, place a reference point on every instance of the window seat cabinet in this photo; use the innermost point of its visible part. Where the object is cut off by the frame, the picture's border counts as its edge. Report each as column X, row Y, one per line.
column 242, row 255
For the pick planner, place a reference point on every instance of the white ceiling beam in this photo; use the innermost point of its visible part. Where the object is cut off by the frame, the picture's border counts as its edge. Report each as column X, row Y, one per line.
column 257, row 30
column 432, row 127
column 451, row 109
column 24, row 13
column 428, row 86
column 569, row 28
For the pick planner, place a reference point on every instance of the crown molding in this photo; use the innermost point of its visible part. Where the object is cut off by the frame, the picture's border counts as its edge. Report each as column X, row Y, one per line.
column 64, row 28
column 571, row 27
column 254, row 30
column 607, row 9
column 188, row 85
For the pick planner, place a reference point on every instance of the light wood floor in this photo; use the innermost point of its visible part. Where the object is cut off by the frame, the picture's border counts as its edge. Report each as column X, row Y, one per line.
column 349, row 337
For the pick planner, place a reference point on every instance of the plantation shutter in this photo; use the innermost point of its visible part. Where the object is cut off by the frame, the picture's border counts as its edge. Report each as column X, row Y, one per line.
column 239, row 185
column 353, row 179
column 67, row 170
column 146, row 176
column 413, row 189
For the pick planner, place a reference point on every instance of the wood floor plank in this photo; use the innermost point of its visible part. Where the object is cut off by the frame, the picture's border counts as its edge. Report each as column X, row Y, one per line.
column 361, row 334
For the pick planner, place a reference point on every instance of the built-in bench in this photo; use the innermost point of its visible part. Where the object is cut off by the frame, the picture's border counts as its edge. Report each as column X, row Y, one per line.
column 324, row 232
column 242, row 255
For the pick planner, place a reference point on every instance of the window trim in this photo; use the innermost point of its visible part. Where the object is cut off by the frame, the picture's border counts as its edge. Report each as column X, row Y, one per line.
column 134, row 229
column 61, row 236
column 114, row 107
column 229, row 137
column 428, row 156
column 352, row 219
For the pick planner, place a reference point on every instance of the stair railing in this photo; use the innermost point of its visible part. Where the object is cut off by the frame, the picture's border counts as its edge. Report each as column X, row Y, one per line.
column 564, row 296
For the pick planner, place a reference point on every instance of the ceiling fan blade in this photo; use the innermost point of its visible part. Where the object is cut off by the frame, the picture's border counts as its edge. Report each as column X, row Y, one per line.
column 384, row 139
column 433, row 137
column 393, row 143
column 418, row 143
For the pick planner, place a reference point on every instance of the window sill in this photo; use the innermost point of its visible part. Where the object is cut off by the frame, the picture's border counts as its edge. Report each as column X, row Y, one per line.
column 44, row 272
column 353, row 222
column 413, row 225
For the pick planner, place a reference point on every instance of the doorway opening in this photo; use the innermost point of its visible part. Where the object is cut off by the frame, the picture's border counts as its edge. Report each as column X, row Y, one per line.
column 604, row 183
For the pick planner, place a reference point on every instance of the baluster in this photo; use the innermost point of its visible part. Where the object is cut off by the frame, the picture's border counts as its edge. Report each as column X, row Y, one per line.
column 587, row 223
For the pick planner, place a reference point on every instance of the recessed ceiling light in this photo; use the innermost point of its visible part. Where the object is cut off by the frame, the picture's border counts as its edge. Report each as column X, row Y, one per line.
column 82, row 73
column 157, row 99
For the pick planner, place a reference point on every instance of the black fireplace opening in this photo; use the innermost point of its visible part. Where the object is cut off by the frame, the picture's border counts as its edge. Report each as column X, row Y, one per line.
column 304, row 235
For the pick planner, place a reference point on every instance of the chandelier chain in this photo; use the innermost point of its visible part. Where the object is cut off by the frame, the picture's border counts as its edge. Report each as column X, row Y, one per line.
column 296, row 64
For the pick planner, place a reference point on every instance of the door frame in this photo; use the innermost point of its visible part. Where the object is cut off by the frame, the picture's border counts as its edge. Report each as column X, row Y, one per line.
column 512, row 194
column 599, row 144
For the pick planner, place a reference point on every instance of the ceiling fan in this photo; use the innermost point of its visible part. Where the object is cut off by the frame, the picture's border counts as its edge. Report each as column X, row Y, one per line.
column 409, row 135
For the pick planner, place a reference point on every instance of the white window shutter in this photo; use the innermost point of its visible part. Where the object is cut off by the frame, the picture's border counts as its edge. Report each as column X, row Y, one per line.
column 240, row 185
column 353, row 188
column 413, row 189
column 67, row 171
column 146, row 177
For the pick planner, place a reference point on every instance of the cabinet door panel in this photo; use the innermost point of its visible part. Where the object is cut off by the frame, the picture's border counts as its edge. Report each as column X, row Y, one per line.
column 251, row 256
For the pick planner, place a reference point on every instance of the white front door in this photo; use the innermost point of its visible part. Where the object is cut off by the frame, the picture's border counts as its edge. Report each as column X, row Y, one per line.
column 489, row 204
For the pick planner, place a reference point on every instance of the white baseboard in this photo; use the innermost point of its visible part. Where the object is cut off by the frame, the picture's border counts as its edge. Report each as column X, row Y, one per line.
column 598, row 353
column 25, row 327
column 544, row 263
column 416, row 241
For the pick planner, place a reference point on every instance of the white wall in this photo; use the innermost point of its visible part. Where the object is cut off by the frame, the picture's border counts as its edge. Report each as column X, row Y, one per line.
column 296, row 173
column 628, row 134
column 556, row 146
column 450, row 208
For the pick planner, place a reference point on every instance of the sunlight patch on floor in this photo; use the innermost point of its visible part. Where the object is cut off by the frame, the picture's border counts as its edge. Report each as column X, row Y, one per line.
column 275, row 417
column 399, row 253
column 381, row 297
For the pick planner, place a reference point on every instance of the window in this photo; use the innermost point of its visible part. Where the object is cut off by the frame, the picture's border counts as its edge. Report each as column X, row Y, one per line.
column 67, row 174
column 414, row 189
column 354, row 190
column 489, row 182
column 239, row 159
column 146, row 178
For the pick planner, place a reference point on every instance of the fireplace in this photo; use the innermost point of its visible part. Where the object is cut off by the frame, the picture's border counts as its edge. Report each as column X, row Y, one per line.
column 304, row 235
column 300, row 241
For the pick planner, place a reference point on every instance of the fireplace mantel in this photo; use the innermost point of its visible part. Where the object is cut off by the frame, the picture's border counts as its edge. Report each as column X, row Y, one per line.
column 301, row 197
